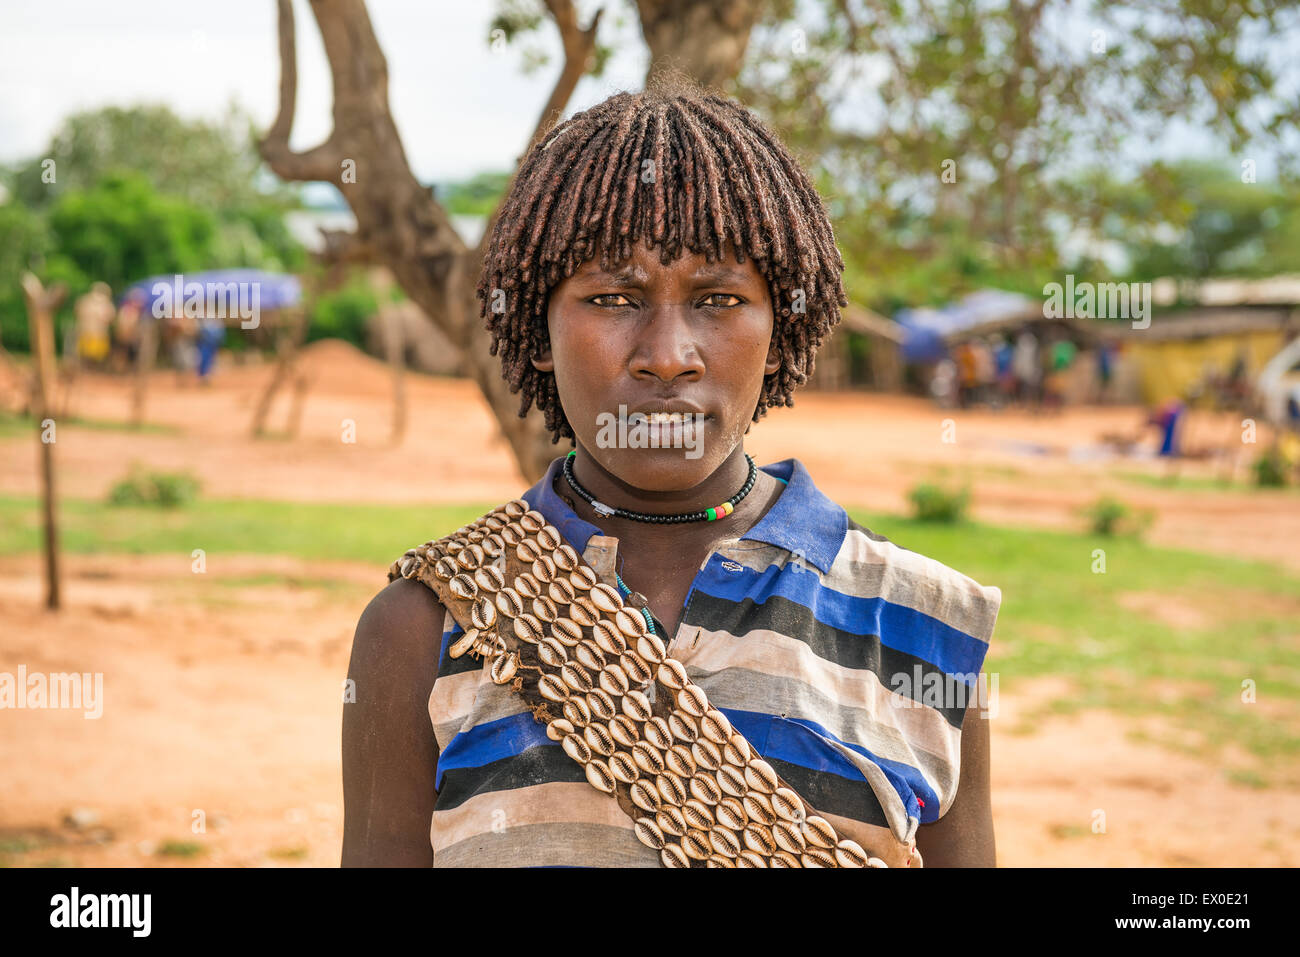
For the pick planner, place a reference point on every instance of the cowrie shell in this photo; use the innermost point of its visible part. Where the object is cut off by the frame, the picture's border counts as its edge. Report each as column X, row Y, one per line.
column 850, row 854
column 718, row 861
column 605, row 597
column 613, row 680
column 704, row 788
column 600, row 776
column 645, row 796
column 496, row 520
column 697, row 815
column 512, row 535
column 670, row 820
column 679, row 761
column 649, row 833
column 631, row 623
column 671, row 788
column 543, row 569
column 454, row 547
column 816, row 857
column 599, row 738
column 623, row 730
column 601, row 704
column 760, row 777
column 489, row 578
column 606, row 634
column 730, row 778
column 724, row 841
column 647, row 757
column 657, row 733
column 707, row 756
column 493, row 545
column 696, row 844
column 737, row 751
column 784, row 859
column 787, row 805
column 484, row 614
column 567, row 631
column 527, row 585
column 750, row 859
column 583, row 578
column 715, row 726
column 759, row 839
column 636, row 706
column 673, row 856
column 477, row 533
column 515, row 508
column 551, row 653
column 560, row 591
column 672, row 675
column 623, row 769
column 759, row 808
column 576, row 710
column 462, row 586
column 464, row 643
column 875, row 862
column 637, row 671
column 558, row 728
column 446, row 569
column 692, row 700
column 509, row 603
column 819, row 832
column 552, row 688
column 576, row 677
column 470, row 557
column 566, row 559
column 582, row 611
column 548, row 538
column 532, row 521
column 504, row 668
column 682, row 725
column 545, row 609
column 577, row 748
column 788, row 838
column 730, row 814
column 588, row 655
column 528, row 629
column 650, row 648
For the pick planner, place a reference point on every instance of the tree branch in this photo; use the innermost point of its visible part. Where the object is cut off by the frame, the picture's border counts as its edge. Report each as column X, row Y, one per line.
column 320, row 163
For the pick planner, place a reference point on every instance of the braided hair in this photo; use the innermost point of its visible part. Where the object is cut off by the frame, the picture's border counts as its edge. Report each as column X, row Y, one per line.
column 677, row 166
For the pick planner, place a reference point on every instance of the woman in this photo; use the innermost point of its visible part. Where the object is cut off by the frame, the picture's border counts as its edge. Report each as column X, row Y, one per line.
column 660, row 274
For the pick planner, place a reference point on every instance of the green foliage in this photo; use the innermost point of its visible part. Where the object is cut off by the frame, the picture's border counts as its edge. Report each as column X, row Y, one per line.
column 24, row 243
column 477, row 196
column 343, row 314
column 163, row 489
column 1270, row 469
column 172, row 848
column 937, row 503
column 1109, row 516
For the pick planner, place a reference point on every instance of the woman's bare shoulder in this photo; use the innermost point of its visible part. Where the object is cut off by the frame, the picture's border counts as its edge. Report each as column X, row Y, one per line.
column 405, row 615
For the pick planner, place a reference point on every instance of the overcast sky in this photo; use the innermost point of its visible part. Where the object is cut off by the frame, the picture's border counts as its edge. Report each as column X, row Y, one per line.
column 460, row 107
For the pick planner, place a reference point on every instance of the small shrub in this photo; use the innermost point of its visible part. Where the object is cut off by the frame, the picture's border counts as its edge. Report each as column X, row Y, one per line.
column 1109, row 516
column 935, row 503
column 164, row 489
column 1269, row 469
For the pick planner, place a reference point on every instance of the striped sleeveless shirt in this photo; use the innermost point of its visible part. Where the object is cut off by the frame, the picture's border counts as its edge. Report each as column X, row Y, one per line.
column 822, row 642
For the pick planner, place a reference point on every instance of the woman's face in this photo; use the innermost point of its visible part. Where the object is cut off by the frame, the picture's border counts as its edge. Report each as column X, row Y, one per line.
column 649, row 343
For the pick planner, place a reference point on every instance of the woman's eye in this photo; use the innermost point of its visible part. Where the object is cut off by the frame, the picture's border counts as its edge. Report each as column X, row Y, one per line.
column 722, row 295
column 595, row 300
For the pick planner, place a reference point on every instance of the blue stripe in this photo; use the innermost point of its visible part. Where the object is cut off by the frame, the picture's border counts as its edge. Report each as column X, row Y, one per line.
column 898, row 626
column 800, row 741
column 492, row 741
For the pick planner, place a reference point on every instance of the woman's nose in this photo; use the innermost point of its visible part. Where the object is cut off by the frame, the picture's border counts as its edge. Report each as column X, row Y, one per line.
column 666, row 347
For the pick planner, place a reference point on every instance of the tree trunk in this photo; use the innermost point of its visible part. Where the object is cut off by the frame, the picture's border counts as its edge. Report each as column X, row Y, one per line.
column 400, row 225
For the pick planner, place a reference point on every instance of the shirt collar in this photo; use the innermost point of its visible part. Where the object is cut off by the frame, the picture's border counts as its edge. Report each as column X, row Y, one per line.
column 803, row 521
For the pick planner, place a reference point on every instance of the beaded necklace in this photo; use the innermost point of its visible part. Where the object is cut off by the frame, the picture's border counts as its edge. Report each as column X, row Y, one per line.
column 704, row 515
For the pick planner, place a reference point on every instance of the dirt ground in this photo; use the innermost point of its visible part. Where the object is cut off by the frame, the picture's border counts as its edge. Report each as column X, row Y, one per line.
column 223, row 705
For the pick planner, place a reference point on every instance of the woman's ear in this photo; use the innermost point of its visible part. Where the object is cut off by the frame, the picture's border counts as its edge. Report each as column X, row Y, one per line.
column 773, row 358
column 544, row 362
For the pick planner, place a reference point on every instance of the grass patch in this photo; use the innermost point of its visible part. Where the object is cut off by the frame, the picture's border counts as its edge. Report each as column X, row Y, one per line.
column 12, row 425
column 288, row 853
column 180, row 849
column 1198, row 483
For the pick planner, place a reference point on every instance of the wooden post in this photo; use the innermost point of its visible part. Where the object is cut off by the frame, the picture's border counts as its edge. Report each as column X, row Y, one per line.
column 41, row 304
column 291, row 329
column 390, row 318
column 147, row 336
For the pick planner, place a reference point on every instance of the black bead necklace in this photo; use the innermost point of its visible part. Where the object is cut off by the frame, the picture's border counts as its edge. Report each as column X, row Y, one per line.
column 704, row 515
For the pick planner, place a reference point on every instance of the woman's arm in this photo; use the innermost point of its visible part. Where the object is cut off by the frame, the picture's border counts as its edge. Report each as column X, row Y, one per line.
column 390, row 756
column 964, row 836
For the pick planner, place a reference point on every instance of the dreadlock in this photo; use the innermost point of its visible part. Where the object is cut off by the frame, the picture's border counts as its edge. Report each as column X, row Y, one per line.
column 677, row 166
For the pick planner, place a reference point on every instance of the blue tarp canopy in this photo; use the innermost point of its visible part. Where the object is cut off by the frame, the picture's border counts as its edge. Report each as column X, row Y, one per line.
column 927, row 330
column 269, row 290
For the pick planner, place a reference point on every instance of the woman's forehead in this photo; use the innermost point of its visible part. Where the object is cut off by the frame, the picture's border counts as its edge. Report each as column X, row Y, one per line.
column 645, row 263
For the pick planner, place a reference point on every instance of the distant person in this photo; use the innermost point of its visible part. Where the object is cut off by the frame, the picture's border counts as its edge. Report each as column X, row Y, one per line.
column 985, row 370
column 1027, row 371
column 212, row 332
column 94, row 315
column 126, row 332
column 964, row 356
column 1168, row 418
column 1105, row 369
column 943, row 383
column 1061, row 357
column 1006, row 376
